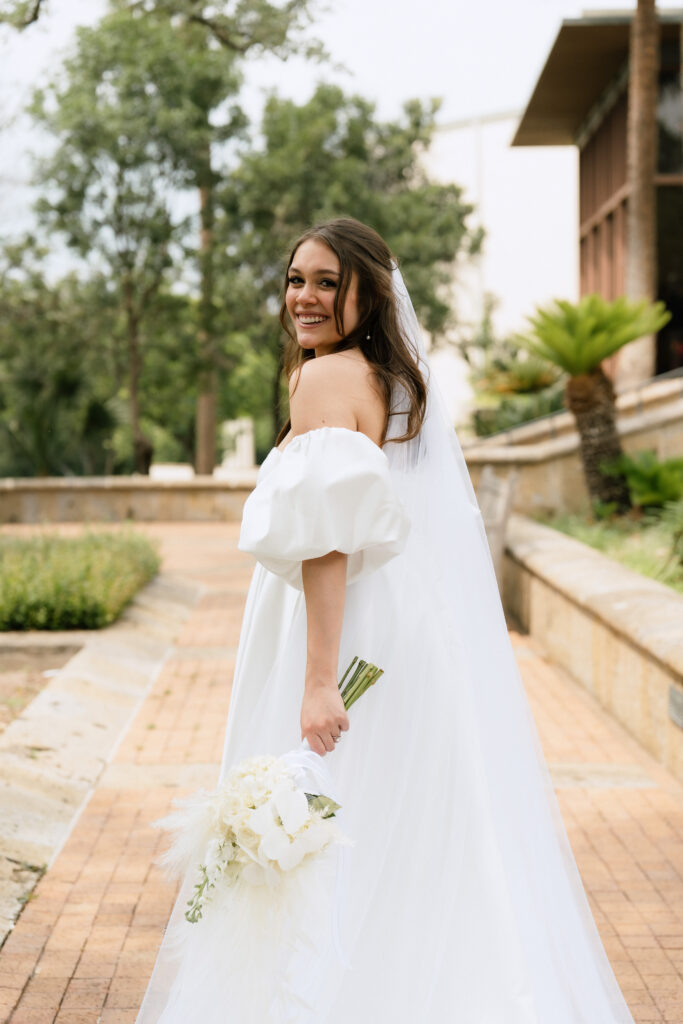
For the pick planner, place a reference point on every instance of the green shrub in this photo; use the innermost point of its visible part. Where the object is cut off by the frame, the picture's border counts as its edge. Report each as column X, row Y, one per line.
column 513, row 411
column 651, row 544
column 50, row 582
column 671, row 520
column 651, row 482
column 517, row 375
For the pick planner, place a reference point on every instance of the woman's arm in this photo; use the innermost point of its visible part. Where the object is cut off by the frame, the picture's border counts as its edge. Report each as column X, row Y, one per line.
column 320, row 396
column 323, row 715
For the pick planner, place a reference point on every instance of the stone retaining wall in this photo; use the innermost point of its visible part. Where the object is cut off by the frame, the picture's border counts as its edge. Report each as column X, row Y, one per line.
column 546, row 455
column 116, row 498
column 616, row 632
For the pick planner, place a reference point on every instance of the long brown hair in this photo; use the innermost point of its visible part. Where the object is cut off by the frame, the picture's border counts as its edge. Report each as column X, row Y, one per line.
column 378, row 333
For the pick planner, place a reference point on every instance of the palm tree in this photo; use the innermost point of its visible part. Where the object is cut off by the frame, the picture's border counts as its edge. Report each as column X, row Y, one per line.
column 641, row 254
column 577, row 337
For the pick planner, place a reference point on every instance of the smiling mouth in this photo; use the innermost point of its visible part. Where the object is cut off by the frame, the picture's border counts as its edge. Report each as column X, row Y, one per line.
column 310, row 320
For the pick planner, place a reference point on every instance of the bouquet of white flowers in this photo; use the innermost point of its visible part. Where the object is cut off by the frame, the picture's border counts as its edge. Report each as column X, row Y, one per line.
column 257, row 856
column 255, row 826
column 261, row 822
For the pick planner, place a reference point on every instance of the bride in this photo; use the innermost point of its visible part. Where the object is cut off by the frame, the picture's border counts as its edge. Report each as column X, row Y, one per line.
column 461, row 901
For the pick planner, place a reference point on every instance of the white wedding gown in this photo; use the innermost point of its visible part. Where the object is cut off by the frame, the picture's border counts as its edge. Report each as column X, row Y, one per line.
column 462, row 902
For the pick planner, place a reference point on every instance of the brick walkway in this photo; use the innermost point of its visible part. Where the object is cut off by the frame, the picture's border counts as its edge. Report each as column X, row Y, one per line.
column 84, row 946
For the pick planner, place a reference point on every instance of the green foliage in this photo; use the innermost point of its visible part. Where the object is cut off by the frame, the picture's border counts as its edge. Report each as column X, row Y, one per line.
column 51, row 582
column 671, row 520
column 331, row 157
column 20, row 13
column 514, row 410
column 518, row 375
column 235, row 26
column 168, row 377
column 239, row 26
column 64, row 381
column 578, row 336
column 131, row 113
column 325, row 158
column 644, row 543
column 57, row 370
column 512, row 386
column 141, row 106
column 604, row 510
column 651, row 482
column 498, row 364
column 139, row 94
column 106, row 186
column 145, row 110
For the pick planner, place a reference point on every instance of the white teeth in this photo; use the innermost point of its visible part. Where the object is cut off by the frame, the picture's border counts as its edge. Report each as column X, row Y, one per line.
column 311, row 319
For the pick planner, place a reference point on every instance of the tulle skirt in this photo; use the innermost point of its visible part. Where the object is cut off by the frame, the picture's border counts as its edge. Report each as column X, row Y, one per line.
column 460, row 900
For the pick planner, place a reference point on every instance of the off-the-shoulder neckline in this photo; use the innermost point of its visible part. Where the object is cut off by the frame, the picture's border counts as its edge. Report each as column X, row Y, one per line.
column 317, row 430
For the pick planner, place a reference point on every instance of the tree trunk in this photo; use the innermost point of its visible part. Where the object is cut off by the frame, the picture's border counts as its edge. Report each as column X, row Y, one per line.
column 142, row 446
column 590, row 396
column 205, row 443
column 638, row 360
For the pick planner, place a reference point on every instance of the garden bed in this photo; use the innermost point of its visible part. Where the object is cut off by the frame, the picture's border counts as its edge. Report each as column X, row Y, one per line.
column 639, row 542
column 50, row 582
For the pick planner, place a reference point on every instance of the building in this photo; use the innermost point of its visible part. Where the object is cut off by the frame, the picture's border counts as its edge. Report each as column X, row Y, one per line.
column 581, row 100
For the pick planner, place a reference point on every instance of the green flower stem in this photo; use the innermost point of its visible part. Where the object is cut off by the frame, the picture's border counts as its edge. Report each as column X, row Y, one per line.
column 360, row 685
column 343, row 678
column 345, row 689
column 354, row 680
column 368, row 681
column 354, row 677
column 363, row 677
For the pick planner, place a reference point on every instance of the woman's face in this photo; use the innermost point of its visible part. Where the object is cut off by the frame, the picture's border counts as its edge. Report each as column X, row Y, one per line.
column 313, row 280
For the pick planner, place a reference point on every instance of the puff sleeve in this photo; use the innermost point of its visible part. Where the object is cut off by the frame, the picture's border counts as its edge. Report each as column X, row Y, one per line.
column 328, row 490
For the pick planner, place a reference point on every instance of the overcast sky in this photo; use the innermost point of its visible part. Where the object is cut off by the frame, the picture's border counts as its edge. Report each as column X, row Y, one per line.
column 479, row 57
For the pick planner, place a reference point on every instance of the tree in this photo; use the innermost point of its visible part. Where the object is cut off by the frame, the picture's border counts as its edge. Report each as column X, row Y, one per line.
column 58, row 370
column 577, row 337
column 331, row 157
column 64, row 393
column 248, row 25
column 235, row 28
column 137, row 95
column 20, row 13
column 639, row 362
column 168, row 382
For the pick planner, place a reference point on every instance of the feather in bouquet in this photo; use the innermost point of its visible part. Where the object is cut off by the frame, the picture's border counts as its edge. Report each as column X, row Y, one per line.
column 256, row 851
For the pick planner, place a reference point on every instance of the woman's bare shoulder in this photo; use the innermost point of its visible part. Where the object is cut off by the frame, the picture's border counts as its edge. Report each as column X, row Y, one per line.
column 333, row 372
column 319, row 397
column 329, row 391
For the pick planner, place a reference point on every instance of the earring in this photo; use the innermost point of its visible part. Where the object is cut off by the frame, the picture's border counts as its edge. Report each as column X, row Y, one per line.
column 368, row 336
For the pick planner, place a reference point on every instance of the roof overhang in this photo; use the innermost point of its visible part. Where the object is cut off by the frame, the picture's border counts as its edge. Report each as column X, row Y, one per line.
column 587, row 56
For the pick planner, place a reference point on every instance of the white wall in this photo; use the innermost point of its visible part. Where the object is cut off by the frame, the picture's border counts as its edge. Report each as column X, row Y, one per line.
column 526, row 199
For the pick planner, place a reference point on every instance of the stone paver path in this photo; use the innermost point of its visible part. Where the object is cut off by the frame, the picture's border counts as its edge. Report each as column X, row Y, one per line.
column 84, row 946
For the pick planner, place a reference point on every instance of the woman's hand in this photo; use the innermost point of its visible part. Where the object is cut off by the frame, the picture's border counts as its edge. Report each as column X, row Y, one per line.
column 323, row 715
